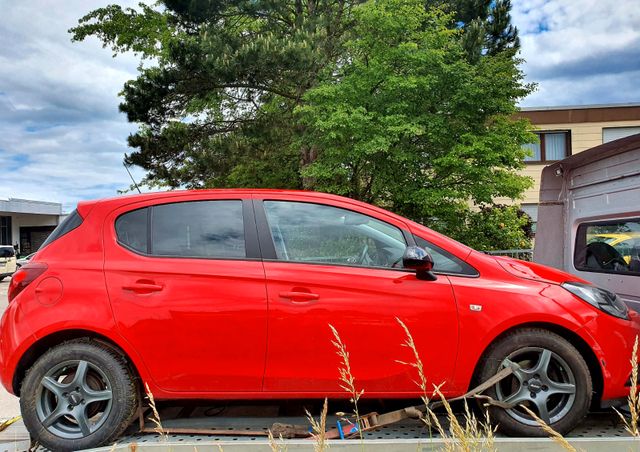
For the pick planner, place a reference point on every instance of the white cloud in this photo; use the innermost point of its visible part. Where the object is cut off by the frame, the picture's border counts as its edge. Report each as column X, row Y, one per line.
column 580, row 52
column 61, row 136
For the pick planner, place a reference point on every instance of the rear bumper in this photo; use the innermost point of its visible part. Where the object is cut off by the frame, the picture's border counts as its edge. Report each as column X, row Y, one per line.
column 15, row 338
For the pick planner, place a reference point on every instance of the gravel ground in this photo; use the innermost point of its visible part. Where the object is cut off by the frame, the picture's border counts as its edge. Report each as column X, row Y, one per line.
column 9, row 406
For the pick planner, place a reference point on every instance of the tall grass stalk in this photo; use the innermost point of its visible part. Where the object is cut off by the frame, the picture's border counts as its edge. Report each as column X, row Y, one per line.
column 633, row 399
column 155, row 418
column 319, row 428
column 274, row 445
column 554, row 435
column 347, row 381
column 473, row 435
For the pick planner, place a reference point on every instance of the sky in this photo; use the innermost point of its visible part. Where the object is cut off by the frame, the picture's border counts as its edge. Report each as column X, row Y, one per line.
column 62, row 138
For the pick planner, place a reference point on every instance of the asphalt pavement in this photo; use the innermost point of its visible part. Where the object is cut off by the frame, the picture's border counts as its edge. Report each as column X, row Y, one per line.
column 9, row 406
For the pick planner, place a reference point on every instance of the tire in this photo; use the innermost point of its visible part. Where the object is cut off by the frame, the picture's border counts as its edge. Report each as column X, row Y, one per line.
column 553, row 375
column 78, row 395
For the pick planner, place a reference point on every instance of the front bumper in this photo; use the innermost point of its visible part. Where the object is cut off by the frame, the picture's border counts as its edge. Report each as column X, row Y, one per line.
column 612, row 342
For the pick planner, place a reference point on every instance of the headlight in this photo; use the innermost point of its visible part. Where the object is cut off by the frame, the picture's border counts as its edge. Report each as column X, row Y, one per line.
column 600, row 298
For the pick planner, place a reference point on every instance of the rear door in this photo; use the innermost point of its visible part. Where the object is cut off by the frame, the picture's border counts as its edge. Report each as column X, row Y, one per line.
column 188, row 291
column 329, row 265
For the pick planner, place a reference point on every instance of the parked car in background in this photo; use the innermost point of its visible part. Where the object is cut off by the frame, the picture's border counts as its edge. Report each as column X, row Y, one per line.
column 229, row 294
column 589, row 217
column 24, row 260
column 7, row 261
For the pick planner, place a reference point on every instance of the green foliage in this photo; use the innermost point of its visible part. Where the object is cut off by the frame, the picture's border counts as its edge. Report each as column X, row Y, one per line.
column 496, row 227
column 384, row 101
column 408, row 123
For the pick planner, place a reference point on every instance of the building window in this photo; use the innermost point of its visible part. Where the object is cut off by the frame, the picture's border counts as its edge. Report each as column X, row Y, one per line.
column 615, row 133
column 5, row 231
column 553, row 146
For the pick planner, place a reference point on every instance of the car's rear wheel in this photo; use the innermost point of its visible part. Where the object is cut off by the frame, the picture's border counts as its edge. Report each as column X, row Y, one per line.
column 78, row 395
column 551, row 379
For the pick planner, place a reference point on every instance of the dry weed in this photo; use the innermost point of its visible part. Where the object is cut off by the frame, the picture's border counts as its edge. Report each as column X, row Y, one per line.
column 319, row 428
column 555, row 436
column 156, row 416
column 347, row 381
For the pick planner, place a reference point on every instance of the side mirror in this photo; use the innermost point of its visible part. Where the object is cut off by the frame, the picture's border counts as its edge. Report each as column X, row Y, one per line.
column 420, row 260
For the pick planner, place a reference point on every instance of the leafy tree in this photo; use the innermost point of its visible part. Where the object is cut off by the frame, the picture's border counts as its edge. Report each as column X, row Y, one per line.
column 497, row 227
column 408, row 123
column 379, row 101
column 216, row 102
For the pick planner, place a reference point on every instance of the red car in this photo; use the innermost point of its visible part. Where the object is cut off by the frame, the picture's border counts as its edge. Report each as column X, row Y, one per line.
column 228, row 294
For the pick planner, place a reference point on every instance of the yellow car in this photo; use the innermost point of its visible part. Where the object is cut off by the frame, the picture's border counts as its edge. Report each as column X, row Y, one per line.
column 623, row 242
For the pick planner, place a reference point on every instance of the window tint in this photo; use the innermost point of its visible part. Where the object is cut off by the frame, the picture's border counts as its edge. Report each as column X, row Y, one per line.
column 131, row 229
column 445, row 262
column 609, row 247
column 72, row 221
column 198, row 229
column 305, row 232
column 7, row 251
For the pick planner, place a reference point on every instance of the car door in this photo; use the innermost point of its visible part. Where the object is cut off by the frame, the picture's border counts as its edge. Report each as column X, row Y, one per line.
column 330, row 265
column 188, row 292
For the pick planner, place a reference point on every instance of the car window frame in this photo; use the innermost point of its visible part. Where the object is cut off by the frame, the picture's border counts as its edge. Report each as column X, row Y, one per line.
column 267, row 244
column 269, row 254
column 252, row 248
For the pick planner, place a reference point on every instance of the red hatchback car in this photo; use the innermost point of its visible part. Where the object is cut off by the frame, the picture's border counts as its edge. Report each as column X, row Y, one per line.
column 228, row 294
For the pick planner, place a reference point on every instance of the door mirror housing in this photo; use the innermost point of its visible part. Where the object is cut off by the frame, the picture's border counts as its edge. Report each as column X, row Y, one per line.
column 418, row 259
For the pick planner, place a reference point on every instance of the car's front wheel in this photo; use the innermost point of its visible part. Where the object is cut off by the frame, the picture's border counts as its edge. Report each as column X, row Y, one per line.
column 551, row 379
column 78, row 395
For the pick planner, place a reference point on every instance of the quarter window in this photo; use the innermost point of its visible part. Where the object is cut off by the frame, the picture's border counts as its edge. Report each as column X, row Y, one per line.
column 305, row 232
column 205, row 229
column 609, row 247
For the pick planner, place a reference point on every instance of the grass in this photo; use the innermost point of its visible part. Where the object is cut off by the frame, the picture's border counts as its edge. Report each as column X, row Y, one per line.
column 155, row 418
column 466, row 435
column 347, row 381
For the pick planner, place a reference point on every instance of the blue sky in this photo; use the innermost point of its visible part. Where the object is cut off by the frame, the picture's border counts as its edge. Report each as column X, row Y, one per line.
column 62, row 138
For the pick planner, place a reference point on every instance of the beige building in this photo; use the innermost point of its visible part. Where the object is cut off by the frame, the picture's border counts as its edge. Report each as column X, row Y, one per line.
column 564, row 131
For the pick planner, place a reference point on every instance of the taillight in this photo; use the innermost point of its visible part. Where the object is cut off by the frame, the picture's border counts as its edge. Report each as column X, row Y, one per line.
column 24, row 276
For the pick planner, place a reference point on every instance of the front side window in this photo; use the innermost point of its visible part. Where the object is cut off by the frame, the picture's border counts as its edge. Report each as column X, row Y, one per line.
column 609, row 247
column 200, row 229
column 314, row 233
column 445, row 262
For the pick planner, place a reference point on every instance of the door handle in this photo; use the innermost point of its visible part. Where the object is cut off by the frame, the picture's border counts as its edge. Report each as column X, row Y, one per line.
column 143, row 287
column 298, row 297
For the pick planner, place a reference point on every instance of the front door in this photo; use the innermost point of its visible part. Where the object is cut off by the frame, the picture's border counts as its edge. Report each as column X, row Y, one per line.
column 335, row 266
column 188, row 292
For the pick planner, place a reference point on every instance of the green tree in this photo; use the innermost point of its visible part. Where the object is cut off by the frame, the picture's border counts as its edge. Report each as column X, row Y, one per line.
column 215, row 101
column 378, row 101
column 486, row 25
column 408, row 123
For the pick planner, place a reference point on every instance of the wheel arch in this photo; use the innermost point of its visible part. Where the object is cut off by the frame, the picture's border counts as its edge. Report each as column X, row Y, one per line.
column 573, row 338
column 36, row 350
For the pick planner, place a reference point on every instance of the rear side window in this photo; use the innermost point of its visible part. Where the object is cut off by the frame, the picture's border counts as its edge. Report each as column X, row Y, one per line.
column 7, row 251
column 608, row 247
column 72, row 221
column 204, row 229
